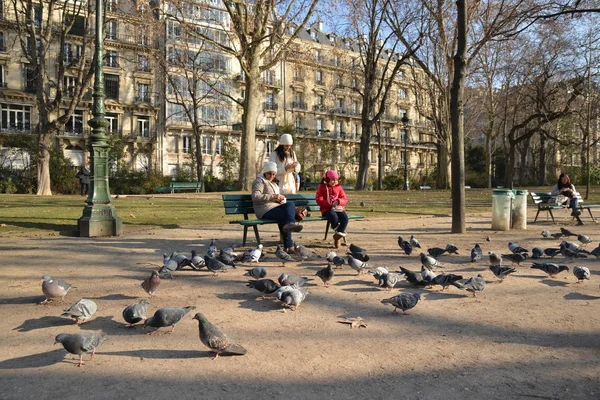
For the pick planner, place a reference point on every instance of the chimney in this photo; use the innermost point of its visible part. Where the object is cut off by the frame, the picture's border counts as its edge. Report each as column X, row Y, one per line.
column 320, row 25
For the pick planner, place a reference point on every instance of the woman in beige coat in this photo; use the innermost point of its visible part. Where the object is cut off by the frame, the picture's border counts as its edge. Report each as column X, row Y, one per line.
column 287, row 164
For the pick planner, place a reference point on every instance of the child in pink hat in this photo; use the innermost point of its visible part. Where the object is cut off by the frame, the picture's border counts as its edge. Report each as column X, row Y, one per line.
column 332, row 200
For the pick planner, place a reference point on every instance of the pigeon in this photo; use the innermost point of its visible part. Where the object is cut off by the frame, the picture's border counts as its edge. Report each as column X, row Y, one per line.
column 515, row 248
column 226, row 259
column 330, row 256
column 551, row 252
column 557, row 235
column 581, row 273
column 495, row 259
column 215, row 339
column 254, row 255
column 451, row 249
column 303, row 253
column 550, row 268
column 445, row 280
column 474, row 285
column 292, row 279
column 414, row 277
column 536, row 253
column 283, row 256
column 596, row 252
column 515, row 258
column 80, row 343
column 430, row 262
column 170, row 266
column 81, row 311
column 436, row 251
column 338, row 261
column 230, row 251
column 405, row 246
column 164, row 317
column 427, row 274
column 357, row 265
column 389, row 280
column 358, row 253
column 476, row 253
column 584, row 239
column 265, row 286
column 135, row 313
column 151, row 283
column 326, row 274
column 54, row 288
column 567, row 232
column 256, row 272
column 292, row 298
column 570, row 254
column 197, row 261
column 414, row 242
column 575, row 248
column 215, row 266
column 379, row 272
column 545, row 233
column 211, row 251
column 403, row 301
column 181, row 260
column 501, row 272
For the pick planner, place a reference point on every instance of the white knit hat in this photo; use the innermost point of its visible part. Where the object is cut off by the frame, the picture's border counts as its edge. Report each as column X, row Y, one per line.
column 286, row 139
column 269, row 166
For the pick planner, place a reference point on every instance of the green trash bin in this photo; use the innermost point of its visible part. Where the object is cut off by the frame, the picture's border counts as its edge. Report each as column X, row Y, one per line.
column 502, row 209
column 519, row 211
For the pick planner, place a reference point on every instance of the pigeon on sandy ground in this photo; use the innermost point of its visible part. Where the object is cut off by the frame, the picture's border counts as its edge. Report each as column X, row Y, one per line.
column 265, row 286
column 211, row 251
column 226, row 259
column 293, row 297
column 430, row 262
column 283, row 256
column 567, row 232
column 501, row 272
column 358, row 253
column 80, row 343
column 357, row 265
column 570, row 254
column 164, row 317
column 575, row 247
column 495, row 259
column 596, row 252
column 169, row 268
column 379, row 272
column 557, row 235
column 552, row 252
column 451, row 249
column 474, row 285
column 537, row 252
column 253, row 255
column 292, row 279
column 338, row 261
column 550, row 268
column 436, row 251
column 151, row 283
column 581, row 273
column 583, row 239
column 403, row 301
column 414, row 242
column 81, row 311
column 197, row 261
column 545, row 233
column 405, row 246
column 215, row 266
column 303, row 253
column 54, row 288
column 326, row 274
column 414, row 277
column 256, row 272
column 515, row 248
column 135, row 313
column 476, row 253
column 215, row 339
column 330, row 256
column 515, row 258
column 445, row 280
column 181, row 260
column 389, row 280
column 427, row 274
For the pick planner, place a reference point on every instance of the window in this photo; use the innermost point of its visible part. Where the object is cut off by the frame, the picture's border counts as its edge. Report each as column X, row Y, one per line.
column 400, row 75
column 355, row 107
column 111, row 30
column 176, row 113
column 143, row 92
column 75, row 124
column 270, row 147
column 319, row 77
column 320, row 100
column 270, row 102
column 313, row 34
column 339, row 153
column 143, row 63
column 298, row 122
column 339, row 103
column 336, row 60
column 319, row 126
column 143, row 127
column 317, row 55
column 401, row 93
column 111, row 59
column 30, row 79
column 2, row 48
column 386, row 133
column 72, row 53
column 372, row 156
column 401, row 112
column 243, row 94
column 187, row 144
column 216, row 115
column 113, row 122
column 78, row 26
column 2, row 76
column 14, row 117
column 111, row 86
column 354, row 82
column 338, row 129
column 111, row 5
column 338, row 80
column 219, row 146
column 207, row 145
column 354, row 130
column 269, row 77
column 69, row 85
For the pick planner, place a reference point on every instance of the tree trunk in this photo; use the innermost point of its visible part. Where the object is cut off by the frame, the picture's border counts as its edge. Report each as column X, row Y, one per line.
column 542, row 166
column 248, row 144
column 441, row 181
column 488, row 152
column 457, row 118
column 199, row 160
column 43, row 164
column 510, row 164
column 363, row 163
column 523, row 159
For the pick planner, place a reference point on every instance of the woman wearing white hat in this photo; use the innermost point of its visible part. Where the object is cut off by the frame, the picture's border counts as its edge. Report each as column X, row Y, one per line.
column 287, row 164
column 269, row 203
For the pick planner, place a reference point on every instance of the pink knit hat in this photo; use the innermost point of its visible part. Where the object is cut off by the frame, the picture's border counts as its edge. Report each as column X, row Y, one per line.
column 331, row 175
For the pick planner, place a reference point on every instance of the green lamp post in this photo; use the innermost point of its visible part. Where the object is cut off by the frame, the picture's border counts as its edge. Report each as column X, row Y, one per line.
column 99, row 215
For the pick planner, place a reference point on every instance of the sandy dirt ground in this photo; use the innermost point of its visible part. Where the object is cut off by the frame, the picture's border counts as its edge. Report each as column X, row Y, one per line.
column 530, row 337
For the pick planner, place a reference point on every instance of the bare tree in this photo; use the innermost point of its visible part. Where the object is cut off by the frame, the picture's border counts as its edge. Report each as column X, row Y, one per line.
column 56, row 39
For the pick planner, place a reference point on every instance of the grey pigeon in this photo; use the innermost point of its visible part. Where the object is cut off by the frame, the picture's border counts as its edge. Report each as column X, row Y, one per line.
column 581, row 273
column 414, row 242
column 379, row 272
column 230, row 251
column 292, row 279
column 357, row 265
column 515, row 258
column 80, row 343
column 303, row 253
column 292, row 298
column 451, row 249
column 445, row 280
column 330, row 256
column 515, row 248
column 551, row 252
column 403, row 301
column 389, row 280
column 326, row 274
column 474, row 285
column 196, row 260
column 545, row 233
column 557, row 235
column 135, row 313
column 226, row 259
column 596, row 252
column 338, row 261
column 256, row 272
column 405, row 246
column 215, row 266
column 575, row 247
column 476, row 253
column 567, row 232
column 81, row 311
column 151, row 283
column 54, row 288
column 211, row 251
column 584, row 239
column 170, row 266
column 495, row 259
column 414, row 277
column 427, row 274
column 164, row 317
column 430, row 262
column 254, row 255
column 265, row 286
column 358, row 253
column 215, row 339
column 537, row 252
column 283, row 256
column 570, row 254
column 181, row 260
column 501, row 272
column 436, row 251
column 550, row 268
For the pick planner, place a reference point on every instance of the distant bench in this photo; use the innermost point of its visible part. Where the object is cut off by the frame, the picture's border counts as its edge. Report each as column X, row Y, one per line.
column 241, row 204
column 543, row 202
column 181, row 187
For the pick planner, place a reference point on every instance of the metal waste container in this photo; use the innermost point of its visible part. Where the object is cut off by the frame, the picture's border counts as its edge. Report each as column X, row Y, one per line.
column 519, row 212
column 502, row 209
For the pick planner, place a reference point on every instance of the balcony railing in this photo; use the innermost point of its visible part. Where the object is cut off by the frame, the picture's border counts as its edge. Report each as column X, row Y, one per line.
column 271, row 128
column 340, row 111
column 16, row 130
column 143, row 135
column 299, row 105
column 270, row 106
column 319, row 83
column 299, row 79
column 319, row 108
column 74, row 132
column 132, row 39
column 272, row 82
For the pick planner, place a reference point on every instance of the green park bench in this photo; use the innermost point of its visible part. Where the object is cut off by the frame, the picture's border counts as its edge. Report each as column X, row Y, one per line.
column 543, row 202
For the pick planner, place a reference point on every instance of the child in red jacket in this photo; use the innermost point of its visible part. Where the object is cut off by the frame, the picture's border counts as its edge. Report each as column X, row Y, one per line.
column 332, row 200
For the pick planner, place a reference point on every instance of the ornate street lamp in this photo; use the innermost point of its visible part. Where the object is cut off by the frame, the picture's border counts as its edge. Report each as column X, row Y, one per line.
column 99, row 215
column 405, row 122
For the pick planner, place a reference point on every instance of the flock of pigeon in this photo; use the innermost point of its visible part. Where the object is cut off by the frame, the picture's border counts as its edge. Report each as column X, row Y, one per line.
column 290, row 289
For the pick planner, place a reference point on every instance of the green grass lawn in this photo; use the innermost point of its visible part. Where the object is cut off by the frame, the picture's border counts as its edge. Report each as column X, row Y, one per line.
column 35, row 214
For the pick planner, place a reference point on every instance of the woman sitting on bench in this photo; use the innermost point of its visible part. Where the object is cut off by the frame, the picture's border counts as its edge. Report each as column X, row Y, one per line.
column 270, row 204
column 564, row 191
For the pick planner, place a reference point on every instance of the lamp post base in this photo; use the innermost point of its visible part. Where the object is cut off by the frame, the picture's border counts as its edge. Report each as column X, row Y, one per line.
column 99, row 220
